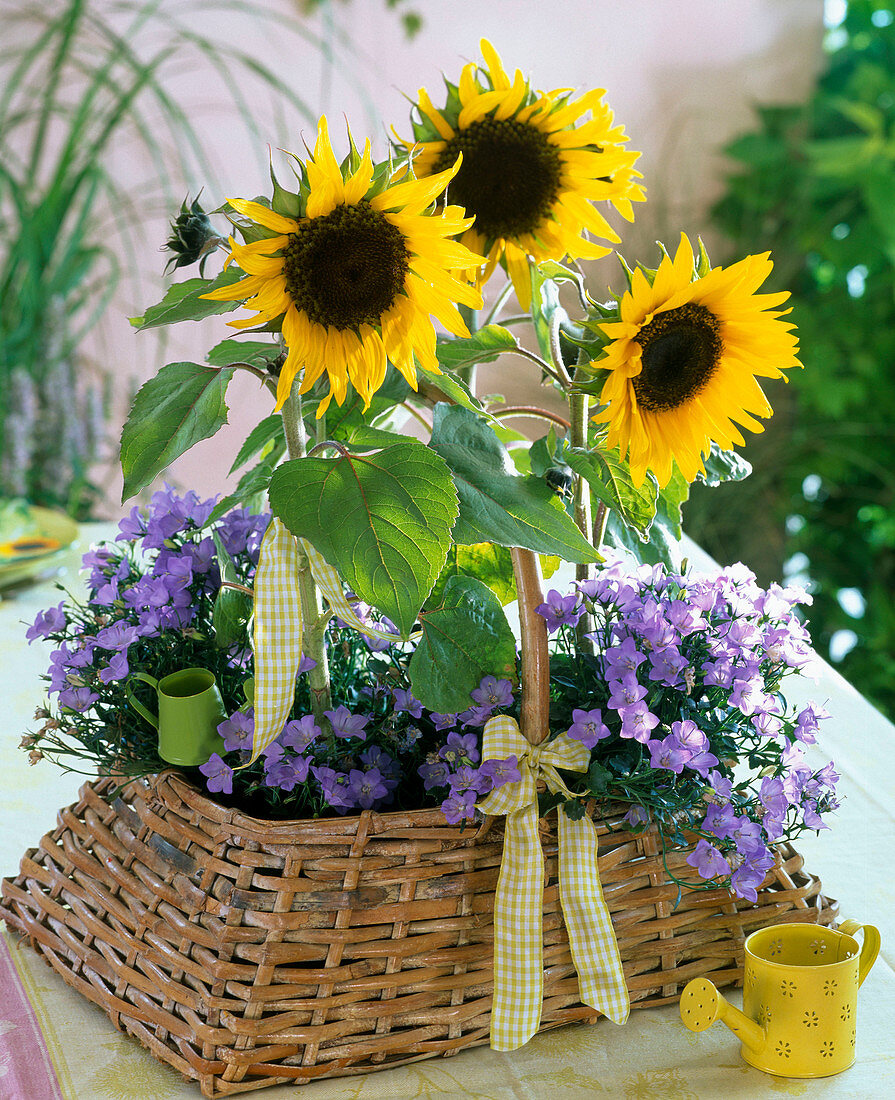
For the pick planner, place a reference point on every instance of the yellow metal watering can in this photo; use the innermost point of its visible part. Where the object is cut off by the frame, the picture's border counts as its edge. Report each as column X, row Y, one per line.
column 800, row 998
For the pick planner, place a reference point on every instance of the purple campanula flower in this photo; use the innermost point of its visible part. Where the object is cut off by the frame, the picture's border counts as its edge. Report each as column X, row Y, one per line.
column 79, row 698
column 116, row 669
column 346, row 724
column 588, row 727
column 47, row 622
column 299, row 733
column 637, row 816
column 766, row 724
column 500, row 772
column 469, row 778
column 666, row 666
column 474, row 716
column 106, row 594
column 305, row 664
column 560, row 610
column 621, row 660
column 745, row 694
column 238, row 730
column 810, row 815
column 367, row 787
column 721, row 787
column 218, row 775
column 772, row 796
column 720, row 821
column 132, row 527
column 459, row 807
column 117, row 636
column 443, row 721
column 176, row 570
column 708, row 861
column 405, row 702
column 718, row 673
column 460, row 745
column 389, row 768
column 667, row 754
column 334, row 788
column 637, row 723
column 684, row 617
column 493, row 693
column 285, row 770
column 434, row 774
column 807, row 723
column 625, row 693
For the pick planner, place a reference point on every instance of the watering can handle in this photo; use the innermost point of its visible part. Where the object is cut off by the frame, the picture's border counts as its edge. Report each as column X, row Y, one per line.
column 151, row 718
column 869, row 949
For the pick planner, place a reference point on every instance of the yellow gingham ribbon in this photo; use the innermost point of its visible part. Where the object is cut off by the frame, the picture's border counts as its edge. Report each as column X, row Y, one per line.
column 277, row 633
column 276, row 636
column 518, row 900
column 330, row 584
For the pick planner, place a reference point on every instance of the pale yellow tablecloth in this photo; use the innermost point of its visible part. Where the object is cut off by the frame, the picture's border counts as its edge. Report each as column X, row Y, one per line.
column 652, row 1056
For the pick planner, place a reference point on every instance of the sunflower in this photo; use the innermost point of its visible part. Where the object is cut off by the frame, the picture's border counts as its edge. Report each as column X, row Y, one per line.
column 530, row 170
column 353, row 278
column 683, row 360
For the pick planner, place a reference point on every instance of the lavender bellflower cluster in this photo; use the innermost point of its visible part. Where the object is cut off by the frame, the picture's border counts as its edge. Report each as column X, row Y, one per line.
column 681, row 705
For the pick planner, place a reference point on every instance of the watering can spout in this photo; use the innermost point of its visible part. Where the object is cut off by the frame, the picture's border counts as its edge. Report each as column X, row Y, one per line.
column 701, row 1005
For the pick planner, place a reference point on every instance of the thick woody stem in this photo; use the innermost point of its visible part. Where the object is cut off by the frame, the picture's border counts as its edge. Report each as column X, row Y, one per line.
column 313, row 619
column 578, row 410
column 535, row 713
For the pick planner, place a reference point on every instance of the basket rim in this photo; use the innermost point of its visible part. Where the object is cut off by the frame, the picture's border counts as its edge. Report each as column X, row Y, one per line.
column 173, row 788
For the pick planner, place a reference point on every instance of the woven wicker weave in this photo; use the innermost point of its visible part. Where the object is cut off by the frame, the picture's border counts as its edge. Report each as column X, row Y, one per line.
column 249, row 953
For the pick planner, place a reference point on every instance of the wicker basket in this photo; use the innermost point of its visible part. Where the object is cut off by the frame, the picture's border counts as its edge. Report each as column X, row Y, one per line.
column 248, row 953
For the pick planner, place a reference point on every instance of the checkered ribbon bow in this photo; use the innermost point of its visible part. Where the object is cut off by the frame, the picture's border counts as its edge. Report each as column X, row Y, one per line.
column 519, row 899
column 277, row 633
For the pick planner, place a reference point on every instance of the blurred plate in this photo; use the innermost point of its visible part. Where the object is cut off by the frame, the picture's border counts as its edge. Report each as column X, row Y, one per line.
column 32, row 540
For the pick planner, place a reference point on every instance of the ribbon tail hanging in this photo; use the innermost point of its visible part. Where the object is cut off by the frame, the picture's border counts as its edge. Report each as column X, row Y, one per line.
column 518, row 934
column 277, row 633
column 601, row 979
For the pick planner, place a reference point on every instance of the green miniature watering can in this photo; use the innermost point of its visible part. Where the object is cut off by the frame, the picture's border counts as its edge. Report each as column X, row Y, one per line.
column 800, row 998
column 190, row 709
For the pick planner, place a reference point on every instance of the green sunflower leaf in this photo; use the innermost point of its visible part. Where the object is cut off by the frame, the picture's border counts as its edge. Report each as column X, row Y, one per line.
column 464, row 639
column 184, row 302
column 261, row 440
column 456, row 392
column 723, row 466
column 610, row 482
column 251, row 489
column 489, row 563
column 382, row 520
column 257, row 352
column 182, row 405
column 495, row 504
column 484, row 346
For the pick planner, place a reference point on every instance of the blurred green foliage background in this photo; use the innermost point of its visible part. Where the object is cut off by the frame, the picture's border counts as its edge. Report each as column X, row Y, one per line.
column 815, row 184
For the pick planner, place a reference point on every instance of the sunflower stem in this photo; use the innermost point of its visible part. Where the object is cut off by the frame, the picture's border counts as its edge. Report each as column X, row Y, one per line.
column 578, row 412
column 313, row 618
column 471, row 317
column 534, row 716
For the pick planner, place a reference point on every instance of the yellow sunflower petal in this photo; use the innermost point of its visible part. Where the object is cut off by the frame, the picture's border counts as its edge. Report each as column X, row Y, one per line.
column 435, row 117
column 263, row 215
column 496, row 71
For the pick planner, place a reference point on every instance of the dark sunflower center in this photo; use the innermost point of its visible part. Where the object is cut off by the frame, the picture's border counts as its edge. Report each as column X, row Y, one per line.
column 346, row 268
column 681, row 350
column 509, row 177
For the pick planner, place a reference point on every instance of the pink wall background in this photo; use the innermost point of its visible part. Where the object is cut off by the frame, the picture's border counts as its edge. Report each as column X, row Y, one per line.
column 681, row 75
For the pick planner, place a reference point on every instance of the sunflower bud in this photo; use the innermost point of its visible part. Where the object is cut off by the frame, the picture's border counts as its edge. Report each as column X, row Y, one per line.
column 193, row 238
